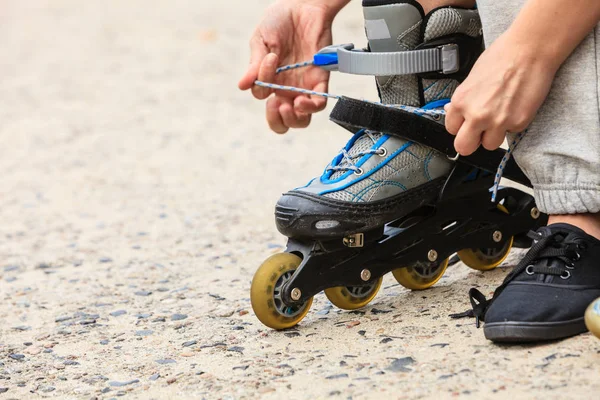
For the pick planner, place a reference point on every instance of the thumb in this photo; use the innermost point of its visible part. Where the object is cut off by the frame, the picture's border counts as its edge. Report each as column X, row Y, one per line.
column 258, row 52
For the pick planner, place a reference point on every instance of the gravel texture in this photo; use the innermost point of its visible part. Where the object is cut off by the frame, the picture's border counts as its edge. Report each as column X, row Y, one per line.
column 137, row 201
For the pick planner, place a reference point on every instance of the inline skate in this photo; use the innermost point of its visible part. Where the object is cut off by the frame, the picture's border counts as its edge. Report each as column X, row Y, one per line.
column 396, row 198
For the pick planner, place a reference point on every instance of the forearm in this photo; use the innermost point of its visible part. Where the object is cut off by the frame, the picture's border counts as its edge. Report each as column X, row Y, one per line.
column 550, row 30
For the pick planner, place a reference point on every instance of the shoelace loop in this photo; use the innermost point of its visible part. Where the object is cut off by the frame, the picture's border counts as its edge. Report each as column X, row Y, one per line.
column 346, row 163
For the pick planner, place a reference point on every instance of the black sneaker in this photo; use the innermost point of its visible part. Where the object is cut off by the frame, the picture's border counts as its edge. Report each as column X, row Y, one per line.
column 546, row 295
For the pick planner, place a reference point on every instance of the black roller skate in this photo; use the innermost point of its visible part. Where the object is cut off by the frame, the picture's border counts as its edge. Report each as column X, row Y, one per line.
column 396, row 198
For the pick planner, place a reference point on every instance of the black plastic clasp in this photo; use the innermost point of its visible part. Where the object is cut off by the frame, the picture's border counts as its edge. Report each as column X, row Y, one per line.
column 469, row 50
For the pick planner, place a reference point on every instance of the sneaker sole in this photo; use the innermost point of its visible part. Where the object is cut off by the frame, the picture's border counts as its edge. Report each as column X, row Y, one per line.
column 521, row 332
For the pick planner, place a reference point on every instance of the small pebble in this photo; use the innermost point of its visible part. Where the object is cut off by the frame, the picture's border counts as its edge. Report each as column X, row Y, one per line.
column 377, row 311
column 189, row 343
column 104, row 342
column 166, row 361
column 3, row 389
column 178, row 317
column 400, row 364
column 154, row 377
column 33, row 350
column 171, row 380
column 143, row 293
column 118, row 313
column 17, row 356
column 105, row 260
column 121, row 384
column 145, row 332
column 237, row 349
column 338, row 376
column 22, row 328
column 352, row 324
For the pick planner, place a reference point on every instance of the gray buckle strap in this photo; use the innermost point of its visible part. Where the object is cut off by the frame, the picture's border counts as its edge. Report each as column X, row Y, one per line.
column 443, row 59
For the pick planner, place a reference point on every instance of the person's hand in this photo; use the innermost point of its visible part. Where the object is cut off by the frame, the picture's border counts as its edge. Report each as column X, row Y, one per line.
column 503, row 93
column 292, row 31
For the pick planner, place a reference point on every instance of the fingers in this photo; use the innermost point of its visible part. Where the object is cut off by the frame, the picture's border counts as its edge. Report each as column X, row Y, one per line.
column 266, row 73
column 281, row 115
column 274, row 118
column 291, row 118
column 468, row 138
column 309, row 105
column 258, row 51
column 471, row 133
column 493, row 138
column 312, row 104
column 454, row 119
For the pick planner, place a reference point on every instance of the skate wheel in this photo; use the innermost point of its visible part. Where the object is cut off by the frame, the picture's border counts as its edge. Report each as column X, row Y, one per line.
column 265, row 292
column 422, row 276
column 486, row 259
column 592, row 318
column 353, row 297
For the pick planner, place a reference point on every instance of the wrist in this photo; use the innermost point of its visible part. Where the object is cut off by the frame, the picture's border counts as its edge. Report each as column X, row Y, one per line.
column 329, row 8
column 531, row 51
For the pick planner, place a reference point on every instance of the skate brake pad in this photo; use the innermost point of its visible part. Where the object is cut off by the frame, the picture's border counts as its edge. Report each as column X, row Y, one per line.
column 355, row 114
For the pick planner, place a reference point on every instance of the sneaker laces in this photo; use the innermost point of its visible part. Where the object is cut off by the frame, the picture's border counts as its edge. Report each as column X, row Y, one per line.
column 550, row 247
column 344, row 161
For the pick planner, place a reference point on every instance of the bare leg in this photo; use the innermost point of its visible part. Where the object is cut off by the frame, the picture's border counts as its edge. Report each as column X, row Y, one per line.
column 590, row 223
column 429, row 5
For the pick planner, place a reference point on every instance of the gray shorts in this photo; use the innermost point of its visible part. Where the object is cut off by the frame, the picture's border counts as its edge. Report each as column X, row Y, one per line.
column 560, row 153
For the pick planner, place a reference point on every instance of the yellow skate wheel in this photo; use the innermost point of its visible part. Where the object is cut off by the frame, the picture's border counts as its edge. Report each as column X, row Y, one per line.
column 353, row 297
column 266, row 291
column 592, row 318
column 486, row 259
column 421, row 276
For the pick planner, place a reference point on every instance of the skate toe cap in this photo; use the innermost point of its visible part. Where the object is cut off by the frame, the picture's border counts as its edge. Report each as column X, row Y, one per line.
column 299, row 214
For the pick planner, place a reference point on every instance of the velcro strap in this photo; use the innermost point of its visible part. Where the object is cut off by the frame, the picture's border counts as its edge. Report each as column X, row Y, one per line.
column 354, row 114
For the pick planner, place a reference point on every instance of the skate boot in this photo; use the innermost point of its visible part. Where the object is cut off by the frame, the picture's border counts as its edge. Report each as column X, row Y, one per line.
column 393, row 200
column 376, row 175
